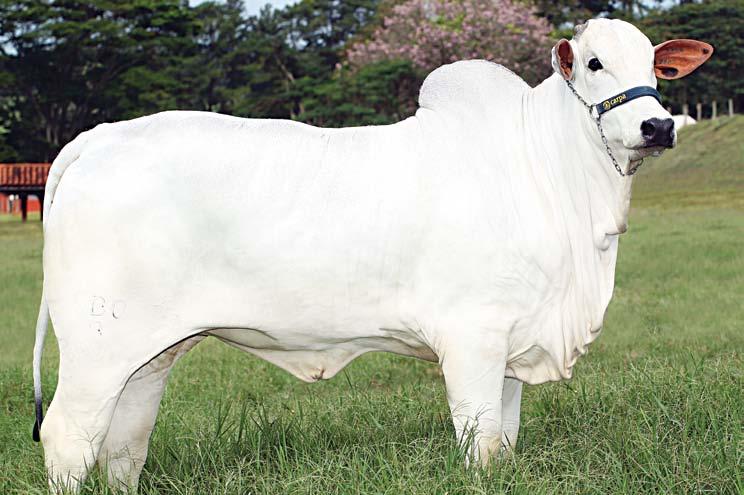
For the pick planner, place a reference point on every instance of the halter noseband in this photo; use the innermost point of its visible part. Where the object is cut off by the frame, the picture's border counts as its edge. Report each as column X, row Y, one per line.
column 625, row 97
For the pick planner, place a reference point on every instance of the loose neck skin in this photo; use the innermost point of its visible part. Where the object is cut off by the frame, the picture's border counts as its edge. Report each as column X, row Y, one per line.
column 573, row 154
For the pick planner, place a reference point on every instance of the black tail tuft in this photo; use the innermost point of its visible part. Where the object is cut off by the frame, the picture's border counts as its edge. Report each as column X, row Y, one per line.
column 37, row 423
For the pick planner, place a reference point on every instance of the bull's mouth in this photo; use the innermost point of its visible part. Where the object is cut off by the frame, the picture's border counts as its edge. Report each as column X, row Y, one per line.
column 644, row 151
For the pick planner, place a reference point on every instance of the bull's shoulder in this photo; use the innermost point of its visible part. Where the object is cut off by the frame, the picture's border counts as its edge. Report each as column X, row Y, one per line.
column 470, row 84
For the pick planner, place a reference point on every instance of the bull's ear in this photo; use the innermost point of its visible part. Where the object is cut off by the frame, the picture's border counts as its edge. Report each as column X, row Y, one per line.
column 677, row 58
column 563, row 59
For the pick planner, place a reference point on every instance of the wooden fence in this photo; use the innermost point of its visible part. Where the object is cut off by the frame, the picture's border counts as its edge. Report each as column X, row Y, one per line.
column 729, row 108
column 22, row 180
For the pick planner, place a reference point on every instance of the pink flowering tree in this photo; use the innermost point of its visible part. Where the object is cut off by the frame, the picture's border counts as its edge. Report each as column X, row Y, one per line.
column 431, row 33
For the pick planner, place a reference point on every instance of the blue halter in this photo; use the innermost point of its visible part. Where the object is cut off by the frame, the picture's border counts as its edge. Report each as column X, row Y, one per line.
column 625, row 97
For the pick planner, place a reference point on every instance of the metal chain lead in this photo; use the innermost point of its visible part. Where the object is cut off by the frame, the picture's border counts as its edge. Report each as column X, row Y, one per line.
column 598, row 120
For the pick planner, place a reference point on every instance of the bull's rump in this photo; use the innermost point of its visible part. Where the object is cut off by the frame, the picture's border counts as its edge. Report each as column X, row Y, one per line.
column 198, row 221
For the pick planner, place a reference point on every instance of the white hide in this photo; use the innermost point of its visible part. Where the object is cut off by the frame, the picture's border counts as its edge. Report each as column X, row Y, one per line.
column 481, row 232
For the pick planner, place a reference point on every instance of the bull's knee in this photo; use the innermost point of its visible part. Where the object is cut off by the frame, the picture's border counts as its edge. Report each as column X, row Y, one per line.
column 123, row 467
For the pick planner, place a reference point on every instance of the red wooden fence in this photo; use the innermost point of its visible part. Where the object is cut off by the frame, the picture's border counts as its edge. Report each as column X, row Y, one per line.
column 23, row 175
column 23, row 180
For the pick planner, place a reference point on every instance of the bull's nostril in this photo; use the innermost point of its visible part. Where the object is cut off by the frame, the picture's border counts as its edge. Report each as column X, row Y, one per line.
column 648, row 129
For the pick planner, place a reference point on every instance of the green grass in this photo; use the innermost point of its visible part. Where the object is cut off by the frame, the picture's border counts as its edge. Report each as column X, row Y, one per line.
column 656, row 407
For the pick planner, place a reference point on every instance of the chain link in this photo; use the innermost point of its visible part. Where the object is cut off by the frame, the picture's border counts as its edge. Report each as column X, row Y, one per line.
column 598, row 120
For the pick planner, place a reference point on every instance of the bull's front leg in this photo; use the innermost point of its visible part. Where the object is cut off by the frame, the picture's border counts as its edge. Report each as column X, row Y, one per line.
column 474, row 375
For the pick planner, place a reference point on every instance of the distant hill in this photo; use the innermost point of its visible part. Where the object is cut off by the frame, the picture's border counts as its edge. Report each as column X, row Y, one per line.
column 705, row 169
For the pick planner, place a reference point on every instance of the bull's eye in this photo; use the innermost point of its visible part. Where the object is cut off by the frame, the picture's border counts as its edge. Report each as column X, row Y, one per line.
column 595, row 64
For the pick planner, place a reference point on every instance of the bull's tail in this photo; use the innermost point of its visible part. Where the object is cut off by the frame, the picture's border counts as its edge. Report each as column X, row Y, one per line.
column 41, row 328
column 66, row 157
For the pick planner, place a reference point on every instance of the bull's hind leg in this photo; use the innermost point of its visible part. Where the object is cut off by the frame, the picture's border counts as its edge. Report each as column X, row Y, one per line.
column 78, row 420
column 124, row 449
column 511, row 401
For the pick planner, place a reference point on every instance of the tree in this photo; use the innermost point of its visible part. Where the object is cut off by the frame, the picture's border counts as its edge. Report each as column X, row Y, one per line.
column 322, row 27
column 211, row 69
column 431, row 33
column 275, row 68
column 316, row 32
column 60, row 57
column 567, row 13
column 378, row 93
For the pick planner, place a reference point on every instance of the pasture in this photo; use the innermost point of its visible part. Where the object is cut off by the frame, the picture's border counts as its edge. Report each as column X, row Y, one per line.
column 655, row 407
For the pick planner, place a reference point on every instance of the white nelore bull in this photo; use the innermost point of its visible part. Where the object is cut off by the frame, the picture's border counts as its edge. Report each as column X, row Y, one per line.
column 480, row 233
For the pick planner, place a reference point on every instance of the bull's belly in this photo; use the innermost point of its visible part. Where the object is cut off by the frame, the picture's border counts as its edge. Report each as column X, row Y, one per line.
column 312, row 357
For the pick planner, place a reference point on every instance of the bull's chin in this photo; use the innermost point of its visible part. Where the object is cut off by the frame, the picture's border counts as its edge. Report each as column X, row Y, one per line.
column 642, row 152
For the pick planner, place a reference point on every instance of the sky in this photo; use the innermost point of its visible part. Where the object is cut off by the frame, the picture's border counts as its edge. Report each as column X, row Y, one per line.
column 253, row 6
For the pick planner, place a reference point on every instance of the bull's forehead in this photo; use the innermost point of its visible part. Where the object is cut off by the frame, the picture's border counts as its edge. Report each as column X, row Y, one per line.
column 616, row 43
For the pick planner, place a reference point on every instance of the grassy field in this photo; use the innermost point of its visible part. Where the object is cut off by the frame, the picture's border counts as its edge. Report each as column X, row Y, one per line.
column 656, row 407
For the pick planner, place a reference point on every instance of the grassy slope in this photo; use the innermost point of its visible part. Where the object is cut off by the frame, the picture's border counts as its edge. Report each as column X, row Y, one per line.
column 706, row 169
column 655, row 407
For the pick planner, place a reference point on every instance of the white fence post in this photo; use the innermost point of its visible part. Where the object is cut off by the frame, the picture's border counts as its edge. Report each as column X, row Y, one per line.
column 699, row 109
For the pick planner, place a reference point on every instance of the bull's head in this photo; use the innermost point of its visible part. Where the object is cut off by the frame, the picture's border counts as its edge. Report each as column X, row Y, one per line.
column 612, row 64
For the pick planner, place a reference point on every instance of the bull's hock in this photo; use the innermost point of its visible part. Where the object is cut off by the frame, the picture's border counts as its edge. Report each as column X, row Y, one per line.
column 481, row 233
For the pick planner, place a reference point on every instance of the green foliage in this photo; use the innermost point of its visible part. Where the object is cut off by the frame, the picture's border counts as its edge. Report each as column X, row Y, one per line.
column 317, row 31
column 379, row 93
column 569, row 12
column 61, row 61
column 209, row 71
column 270, row 91
column 564, row 14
